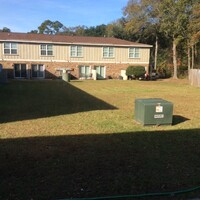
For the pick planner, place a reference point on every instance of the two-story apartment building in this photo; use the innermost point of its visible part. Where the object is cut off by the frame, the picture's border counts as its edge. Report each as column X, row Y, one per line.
column 42, row 56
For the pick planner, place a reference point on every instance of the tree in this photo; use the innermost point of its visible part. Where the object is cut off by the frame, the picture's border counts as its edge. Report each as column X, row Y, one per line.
column 80, row 30
column 195, row 21
column 174, row 20
column 193, row 33
column 49, row 27
column 142, row 18
column 151, row 19
column 33, row 31
column 98, row 31
column 117, row 29
column 5, row 29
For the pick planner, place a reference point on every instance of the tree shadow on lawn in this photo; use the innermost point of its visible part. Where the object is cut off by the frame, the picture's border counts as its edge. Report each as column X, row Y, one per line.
column 22, row 100
column 100, row 165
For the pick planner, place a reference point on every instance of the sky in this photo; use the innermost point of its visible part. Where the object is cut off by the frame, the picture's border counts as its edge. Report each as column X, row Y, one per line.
column 27, row 15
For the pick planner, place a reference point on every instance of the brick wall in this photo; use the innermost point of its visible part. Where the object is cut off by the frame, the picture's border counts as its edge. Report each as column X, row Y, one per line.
column 112, row 70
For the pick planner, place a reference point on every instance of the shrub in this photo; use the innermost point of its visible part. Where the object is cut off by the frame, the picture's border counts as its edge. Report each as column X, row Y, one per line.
column 135, row 71
column 182, row 71
column 164, row 71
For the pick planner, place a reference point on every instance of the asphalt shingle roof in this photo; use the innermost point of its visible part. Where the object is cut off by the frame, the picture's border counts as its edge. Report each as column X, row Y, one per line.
column 39, row 38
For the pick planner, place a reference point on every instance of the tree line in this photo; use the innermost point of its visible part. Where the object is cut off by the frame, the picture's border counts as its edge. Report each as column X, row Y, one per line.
column 171, row 26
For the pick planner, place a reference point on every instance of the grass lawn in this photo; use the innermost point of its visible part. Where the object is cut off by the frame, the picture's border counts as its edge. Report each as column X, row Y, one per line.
column 79, row 139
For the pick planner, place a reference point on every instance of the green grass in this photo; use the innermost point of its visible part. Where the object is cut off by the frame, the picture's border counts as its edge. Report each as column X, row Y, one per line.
column 62, row 140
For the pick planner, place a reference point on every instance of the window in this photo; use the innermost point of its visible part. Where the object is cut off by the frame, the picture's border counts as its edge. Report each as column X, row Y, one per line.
column 76, row 51
column 84, row 72
column 37, row 71
column 46, row 49
column 10, row 48
column 108, row 52
column 20, row 71
column 101, row 72
column 134, row 53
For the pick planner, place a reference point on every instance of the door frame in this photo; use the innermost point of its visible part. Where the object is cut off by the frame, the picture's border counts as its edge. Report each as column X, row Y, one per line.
column 37, row 71
column 20, row 65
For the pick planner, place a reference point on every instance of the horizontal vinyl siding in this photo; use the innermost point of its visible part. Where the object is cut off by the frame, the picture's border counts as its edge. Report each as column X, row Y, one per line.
column 61, row 53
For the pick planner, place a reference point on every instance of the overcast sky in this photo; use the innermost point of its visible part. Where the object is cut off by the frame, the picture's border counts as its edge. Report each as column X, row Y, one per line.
column 27, row 15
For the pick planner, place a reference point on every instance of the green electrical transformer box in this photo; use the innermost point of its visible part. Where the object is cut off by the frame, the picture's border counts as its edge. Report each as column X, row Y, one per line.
column 153, row 111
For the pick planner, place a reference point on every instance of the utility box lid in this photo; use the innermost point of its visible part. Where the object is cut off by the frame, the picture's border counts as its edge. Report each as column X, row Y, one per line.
column 153, row 111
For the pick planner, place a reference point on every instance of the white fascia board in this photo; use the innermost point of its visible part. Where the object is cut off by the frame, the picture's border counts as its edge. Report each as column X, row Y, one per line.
column 69, row 61
column 83, row 44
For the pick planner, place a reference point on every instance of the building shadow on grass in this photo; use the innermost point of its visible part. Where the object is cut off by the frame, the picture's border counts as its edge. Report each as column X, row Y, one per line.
column 97, row 165
column 22, row 100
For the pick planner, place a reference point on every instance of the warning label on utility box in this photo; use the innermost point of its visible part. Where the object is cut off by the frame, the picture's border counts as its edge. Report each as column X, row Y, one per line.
column 159, row 116
column 159, row 109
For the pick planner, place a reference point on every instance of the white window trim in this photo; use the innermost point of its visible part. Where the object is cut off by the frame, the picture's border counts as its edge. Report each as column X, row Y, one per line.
column 37, row 76
column 107, row 56
column 90, row 70
column 76, row 51
column 10, row 48
column 104, row 69
column 20, row 76
column 46, row 49
column 134, row 53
